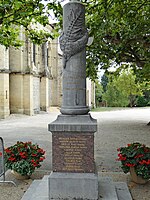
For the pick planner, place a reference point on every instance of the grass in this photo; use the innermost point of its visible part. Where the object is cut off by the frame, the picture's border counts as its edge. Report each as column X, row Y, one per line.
column 102, row 109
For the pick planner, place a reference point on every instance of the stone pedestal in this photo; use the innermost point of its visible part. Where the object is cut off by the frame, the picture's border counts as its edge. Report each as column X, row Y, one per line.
column 74, row 174
column 73, row 186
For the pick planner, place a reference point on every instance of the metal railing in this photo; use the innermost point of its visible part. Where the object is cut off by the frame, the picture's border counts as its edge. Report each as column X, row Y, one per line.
column 2, row 163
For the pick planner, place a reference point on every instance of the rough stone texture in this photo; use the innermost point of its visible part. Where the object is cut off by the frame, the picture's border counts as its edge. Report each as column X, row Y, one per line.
column 4, row 58
column 44, row 101
column 73, row 186
column 4, row 82
column 17, row 72
column 4, row 95
column 16, row 65
column 72, row 43
column 36, row 94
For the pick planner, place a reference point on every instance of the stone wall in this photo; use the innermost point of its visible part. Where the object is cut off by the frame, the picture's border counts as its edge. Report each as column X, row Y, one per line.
column 31, row 78
column 90, row 93
column 36, row 94
column 25, row 76
column 4, row 82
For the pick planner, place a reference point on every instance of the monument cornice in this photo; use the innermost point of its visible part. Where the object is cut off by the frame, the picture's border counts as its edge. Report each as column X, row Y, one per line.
column 74, row 123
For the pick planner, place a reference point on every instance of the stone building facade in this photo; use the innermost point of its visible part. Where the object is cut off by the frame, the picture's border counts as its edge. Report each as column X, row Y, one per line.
column 27, row 78
column 31, row 78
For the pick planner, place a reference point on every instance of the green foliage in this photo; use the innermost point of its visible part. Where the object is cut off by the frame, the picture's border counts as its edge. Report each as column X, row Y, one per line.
column 141, row 101
column 126, row 83
column 120, row 30
column 135, row 155
column 24, row 13
column 114, row 97
column 121, row 34
column 23, row 167
column 24, row 157
column 122, row 90
column 98, row 92
column 104, row 82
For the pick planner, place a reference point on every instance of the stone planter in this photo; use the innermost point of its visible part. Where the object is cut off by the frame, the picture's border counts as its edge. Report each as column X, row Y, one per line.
column 135, row 178
column 19, row 176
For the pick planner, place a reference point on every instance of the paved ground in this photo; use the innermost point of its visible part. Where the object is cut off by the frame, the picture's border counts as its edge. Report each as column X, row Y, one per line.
column 115, row 129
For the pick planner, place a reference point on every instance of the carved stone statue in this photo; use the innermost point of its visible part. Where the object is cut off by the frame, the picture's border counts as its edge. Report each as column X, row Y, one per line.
column 75, row 35
column 72, row 43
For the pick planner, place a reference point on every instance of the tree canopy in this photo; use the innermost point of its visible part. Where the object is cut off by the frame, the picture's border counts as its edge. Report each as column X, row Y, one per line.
column 120, row 29
column 121, row 34
column 24, row 13
column 123, row 90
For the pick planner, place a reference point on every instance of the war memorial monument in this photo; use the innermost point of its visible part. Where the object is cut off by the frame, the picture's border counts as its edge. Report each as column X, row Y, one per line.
column 73, row 168
column 74, row 175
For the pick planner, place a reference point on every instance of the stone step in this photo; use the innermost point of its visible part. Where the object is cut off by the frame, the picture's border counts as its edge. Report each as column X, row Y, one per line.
column 41, row 191
column 33, row 187
column 38, row 190
column 108, row 190
column 45, row 178
column 122, row 191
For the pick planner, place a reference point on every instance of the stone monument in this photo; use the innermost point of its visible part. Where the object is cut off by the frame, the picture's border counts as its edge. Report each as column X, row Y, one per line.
column 73, row 173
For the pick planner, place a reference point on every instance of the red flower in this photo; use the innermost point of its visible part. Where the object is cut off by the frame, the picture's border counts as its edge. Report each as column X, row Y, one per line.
column 146, row 150
column 35, row 164
column 41, row 159
column 130, row 165
column 121, row 157
column 23, row 155
column 34, row 155
column 41, row 151
column 144, row 162
column 0, row 153
column 12, row 159
column 8, row 150
column 139, row 156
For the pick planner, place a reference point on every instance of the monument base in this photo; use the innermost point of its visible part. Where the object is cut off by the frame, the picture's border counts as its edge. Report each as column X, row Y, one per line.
column 67, row 186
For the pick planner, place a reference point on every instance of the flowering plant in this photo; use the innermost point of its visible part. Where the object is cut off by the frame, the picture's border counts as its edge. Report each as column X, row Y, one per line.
column 135, row 155
column 24, row 157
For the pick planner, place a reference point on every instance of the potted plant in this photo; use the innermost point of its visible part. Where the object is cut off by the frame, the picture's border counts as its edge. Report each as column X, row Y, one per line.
column 135, row 158
column 23, row 158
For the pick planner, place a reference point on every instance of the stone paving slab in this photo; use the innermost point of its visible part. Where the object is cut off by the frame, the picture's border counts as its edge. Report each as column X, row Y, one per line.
column 115, row 129
column 108, row 190
column 122, row 191
column 33, row 187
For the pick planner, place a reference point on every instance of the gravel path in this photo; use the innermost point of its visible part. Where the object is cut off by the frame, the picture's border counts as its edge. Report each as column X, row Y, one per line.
column 115, row 129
